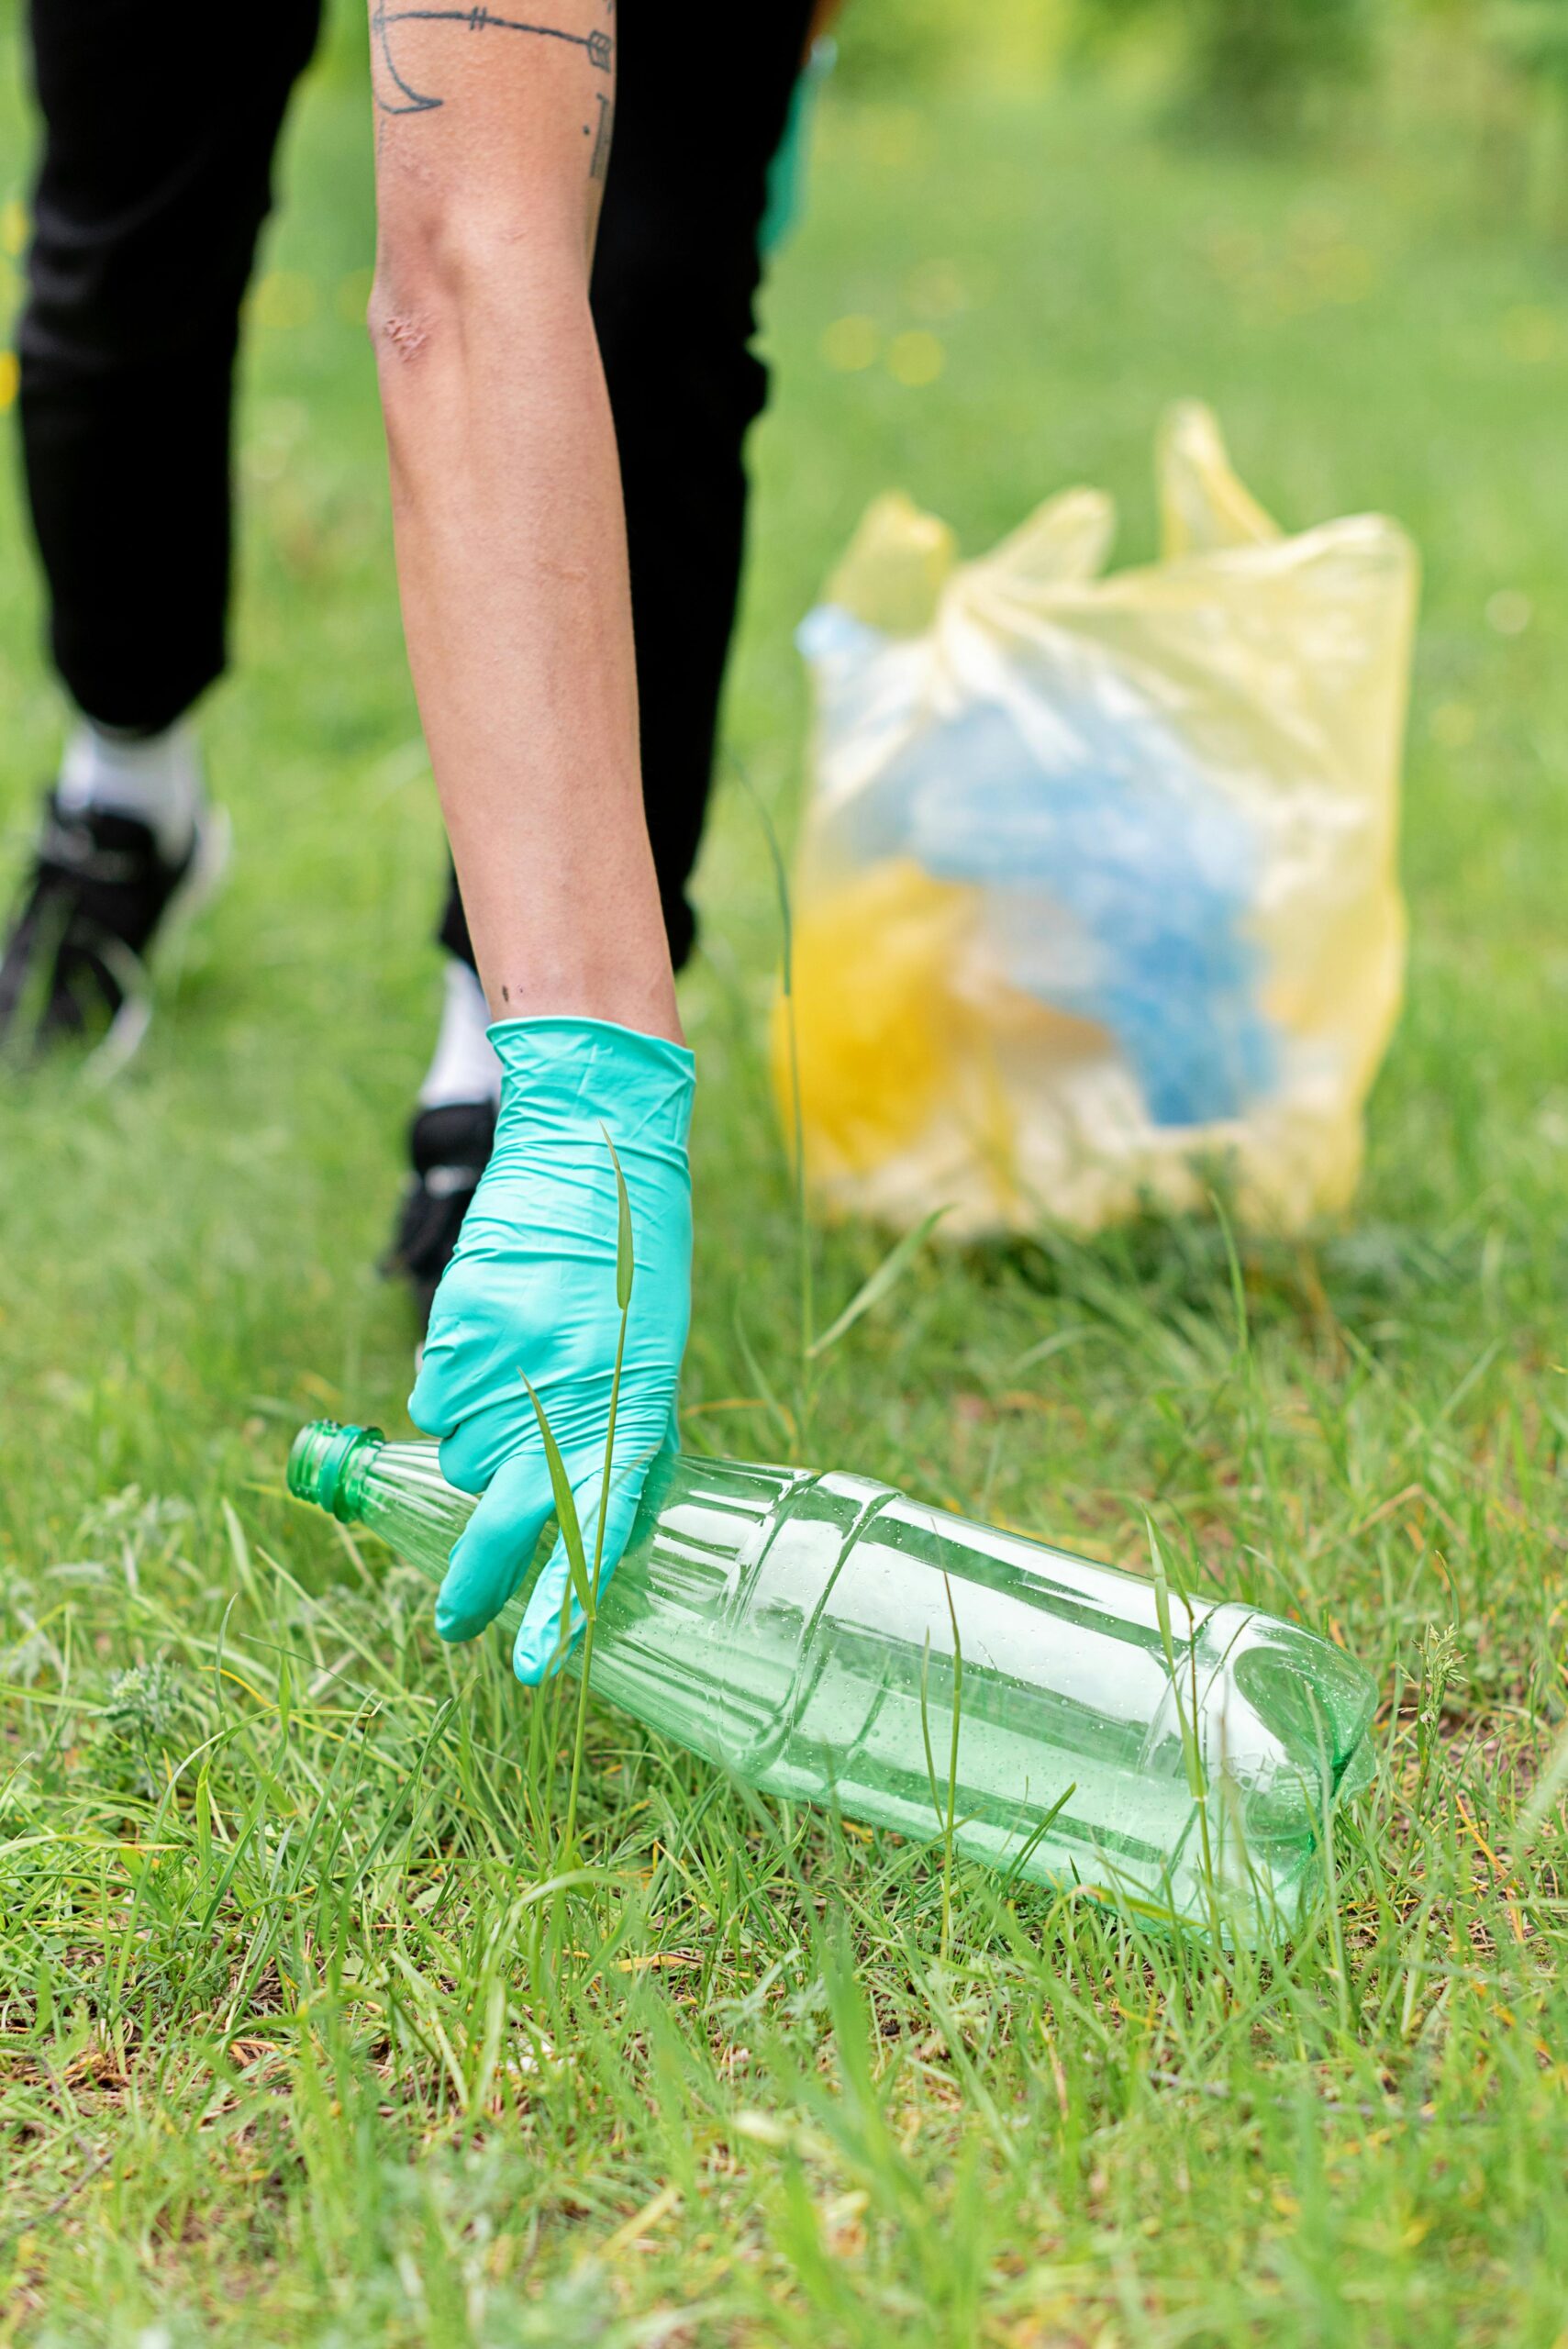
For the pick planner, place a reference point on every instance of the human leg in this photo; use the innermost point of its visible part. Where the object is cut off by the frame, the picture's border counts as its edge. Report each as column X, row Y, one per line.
column 159, row 129
column 155, row 176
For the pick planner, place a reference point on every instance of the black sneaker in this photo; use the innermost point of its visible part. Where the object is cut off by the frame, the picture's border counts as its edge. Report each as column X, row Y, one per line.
column 97, row 899
column 451, row 1149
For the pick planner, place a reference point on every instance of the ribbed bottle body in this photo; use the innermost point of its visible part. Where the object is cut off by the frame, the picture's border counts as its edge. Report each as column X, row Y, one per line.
column 821, row 1636
column 834, row 1646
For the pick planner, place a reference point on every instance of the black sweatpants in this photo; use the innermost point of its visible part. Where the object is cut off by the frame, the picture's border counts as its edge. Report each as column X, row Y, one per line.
column 161, row 124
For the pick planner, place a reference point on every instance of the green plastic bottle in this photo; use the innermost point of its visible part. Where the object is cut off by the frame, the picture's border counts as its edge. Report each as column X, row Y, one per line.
column 816, row 1634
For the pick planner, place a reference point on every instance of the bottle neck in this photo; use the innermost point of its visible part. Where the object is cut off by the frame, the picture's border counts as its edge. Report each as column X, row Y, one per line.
column 328, row 1464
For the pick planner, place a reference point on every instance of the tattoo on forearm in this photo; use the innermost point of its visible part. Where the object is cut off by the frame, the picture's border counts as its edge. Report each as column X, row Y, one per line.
column 402, row 97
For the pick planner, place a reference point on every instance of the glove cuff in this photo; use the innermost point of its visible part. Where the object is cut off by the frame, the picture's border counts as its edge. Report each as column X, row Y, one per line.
column 591, row 1072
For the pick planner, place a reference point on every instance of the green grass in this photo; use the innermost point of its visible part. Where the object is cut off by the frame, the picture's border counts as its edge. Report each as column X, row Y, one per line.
column 297, row 2042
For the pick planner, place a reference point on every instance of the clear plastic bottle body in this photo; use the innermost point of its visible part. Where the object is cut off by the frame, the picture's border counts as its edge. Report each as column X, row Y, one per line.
column 817, row 1635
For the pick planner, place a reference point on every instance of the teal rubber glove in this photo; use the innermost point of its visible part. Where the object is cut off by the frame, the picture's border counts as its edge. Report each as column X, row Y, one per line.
column 529, row 1298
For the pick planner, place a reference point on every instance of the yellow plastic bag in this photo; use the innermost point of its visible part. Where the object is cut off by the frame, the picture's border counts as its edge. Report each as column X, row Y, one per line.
column 1097, row 885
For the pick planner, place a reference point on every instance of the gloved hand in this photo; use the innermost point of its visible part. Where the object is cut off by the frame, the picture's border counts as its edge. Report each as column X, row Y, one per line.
column 529, row 1297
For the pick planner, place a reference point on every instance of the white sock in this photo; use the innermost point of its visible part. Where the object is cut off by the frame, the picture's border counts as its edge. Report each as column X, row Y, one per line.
column 464, row 1067
column 155, row 777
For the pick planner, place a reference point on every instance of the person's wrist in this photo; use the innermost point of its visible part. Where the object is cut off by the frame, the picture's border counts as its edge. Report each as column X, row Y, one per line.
column 640, row 999
column 585, row 940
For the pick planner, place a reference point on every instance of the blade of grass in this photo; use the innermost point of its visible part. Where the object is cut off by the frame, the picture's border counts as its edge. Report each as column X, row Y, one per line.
column 953, row 1768
column 797, row 1118
column 1191, row 1752
column 891, row 1270
column 566, row 1501
column 624, row 1268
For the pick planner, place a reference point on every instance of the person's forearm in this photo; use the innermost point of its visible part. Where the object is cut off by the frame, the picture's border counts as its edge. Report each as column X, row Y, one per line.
column 510, row 535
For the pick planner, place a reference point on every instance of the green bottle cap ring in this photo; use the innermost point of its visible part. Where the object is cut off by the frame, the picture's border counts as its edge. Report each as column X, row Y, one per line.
column 320, row 1459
